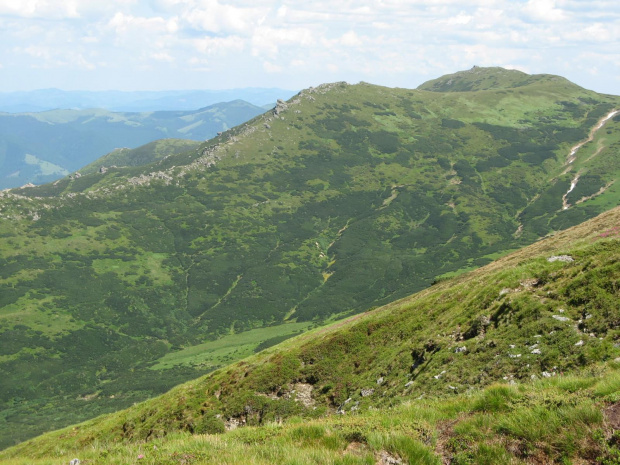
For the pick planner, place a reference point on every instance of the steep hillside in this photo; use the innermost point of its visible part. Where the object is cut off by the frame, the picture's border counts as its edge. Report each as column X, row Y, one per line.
column 548, row 312
column 117, row 286
column 43, row 147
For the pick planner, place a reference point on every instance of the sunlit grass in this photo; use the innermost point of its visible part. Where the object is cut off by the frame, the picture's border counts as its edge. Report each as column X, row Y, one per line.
column 418, row 432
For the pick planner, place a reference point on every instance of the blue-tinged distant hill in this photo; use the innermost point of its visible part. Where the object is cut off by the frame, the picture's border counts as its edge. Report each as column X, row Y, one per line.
column 52, row 99
column 45, row 146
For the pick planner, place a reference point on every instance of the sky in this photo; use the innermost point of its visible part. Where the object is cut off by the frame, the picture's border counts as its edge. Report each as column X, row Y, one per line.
column 224, row 44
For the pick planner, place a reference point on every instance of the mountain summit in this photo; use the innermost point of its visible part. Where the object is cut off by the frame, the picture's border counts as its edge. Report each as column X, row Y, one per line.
column 492, row 78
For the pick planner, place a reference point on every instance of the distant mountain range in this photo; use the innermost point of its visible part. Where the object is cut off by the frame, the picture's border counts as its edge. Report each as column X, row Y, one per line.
column 45, row 146
column 139, row 101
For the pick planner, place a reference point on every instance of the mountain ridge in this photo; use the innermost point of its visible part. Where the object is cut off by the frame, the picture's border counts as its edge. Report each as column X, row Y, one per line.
column 342, row 199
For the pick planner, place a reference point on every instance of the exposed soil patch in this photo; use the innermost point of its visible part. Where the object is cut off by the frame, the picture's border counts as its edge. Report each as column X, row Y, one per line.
column 612, row 415
column 445, row 432
column 356, row 448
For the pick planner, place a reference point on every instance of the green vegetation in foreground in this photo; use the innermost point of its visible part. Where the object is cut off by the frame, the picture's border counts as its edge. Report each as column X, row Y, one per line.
column 343, row 199
column 416, row 380
column 567, row 419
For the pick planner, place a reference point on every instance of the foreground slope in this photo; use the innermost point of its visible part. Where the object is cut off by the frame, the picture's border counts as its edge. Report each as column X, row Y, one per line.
column 547, row 312
column 117, row 286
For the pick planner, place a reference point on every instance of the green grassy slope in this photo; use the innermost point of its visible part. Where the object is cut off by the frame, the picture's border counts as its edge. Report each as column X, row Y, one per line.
column 495, row 78
column 416, row 379
column 569, row 419
column 343, row 199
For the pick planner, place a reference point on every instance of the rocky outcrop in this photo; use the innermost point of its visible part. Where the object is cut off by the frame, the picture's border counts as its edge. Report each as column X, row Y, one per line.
column 281, row 106
column 561, row 258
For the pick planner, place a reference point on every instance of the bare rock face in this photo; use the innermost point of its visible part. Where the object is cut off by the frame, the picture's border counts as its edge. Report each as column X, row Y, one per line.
column 233, row 423
column 303, row 394
column 281, row 106
column 561, row 258
column 385, row 458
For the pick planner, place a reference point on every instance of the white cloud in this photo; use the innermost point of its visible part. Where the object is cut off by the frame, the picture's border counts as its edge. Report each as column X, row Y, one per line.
column 219, row 45
column 281, row 13
column 351, row 39
column 61, row 9
column 394, row 42
column 123, row 23
column 48, row 57
column 51, row 9
column 271, row 67
column 459, row 19
column 381, row 25
column 211, row 16
column 268, row 40
column 79, row 61
column 37, row 52
column 89, row 39
column 162, row 56
column 595, row 33
column 544, row 11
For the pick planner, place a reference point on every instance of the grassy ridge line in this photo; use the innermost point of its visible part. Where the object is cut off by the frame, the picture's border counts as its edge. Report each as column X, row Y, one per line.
column 408, row 349
column 148, row 153
column 568, row 419
column 482, row 78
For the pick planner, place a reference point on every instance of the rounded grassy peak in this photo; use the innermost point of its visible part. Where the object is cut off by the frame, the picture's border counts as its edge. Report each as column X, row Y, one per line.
column 491, row 78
